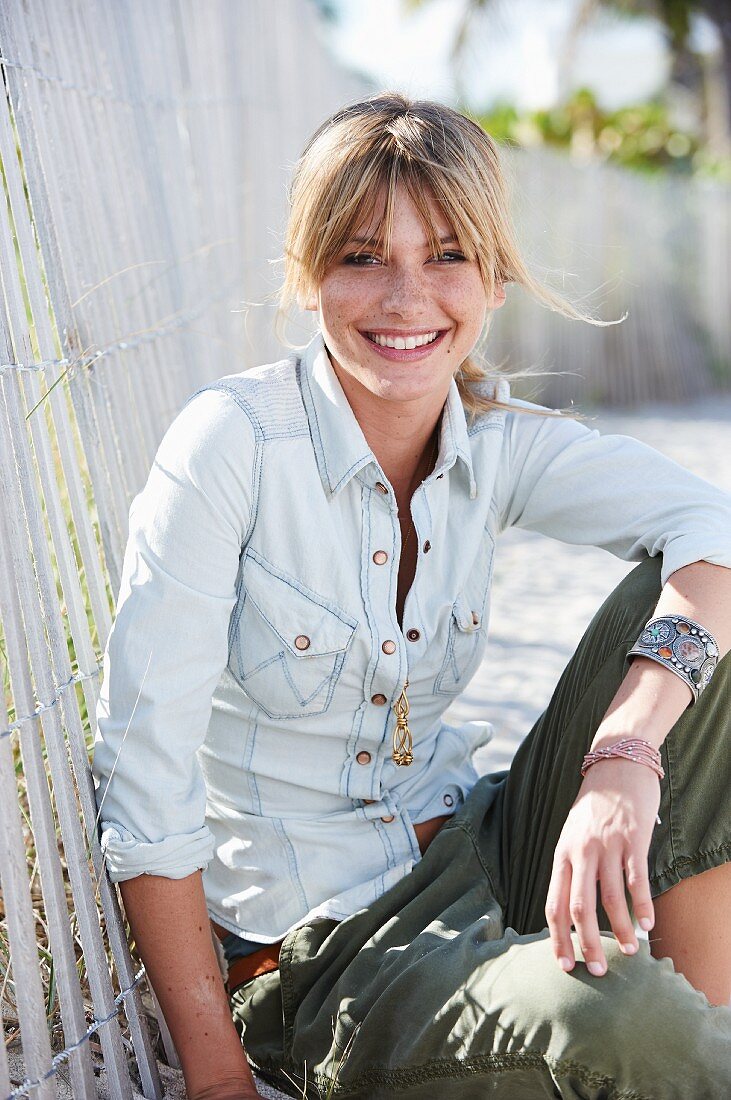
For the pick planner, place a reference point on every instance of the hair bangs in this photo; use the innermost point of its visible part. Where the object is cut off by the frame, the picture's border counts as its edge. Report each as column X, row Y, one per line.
column 343, row 189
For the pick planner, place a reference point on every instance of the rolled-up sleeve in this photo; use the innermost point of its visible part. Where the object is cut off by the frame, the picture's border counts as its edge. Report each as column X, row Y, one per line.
column 169, row 643
column 576, row 485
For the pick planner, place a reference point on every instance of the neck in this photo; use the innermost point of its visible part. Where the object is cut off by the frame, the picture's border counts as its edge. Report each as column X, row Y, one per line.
column 403, row 437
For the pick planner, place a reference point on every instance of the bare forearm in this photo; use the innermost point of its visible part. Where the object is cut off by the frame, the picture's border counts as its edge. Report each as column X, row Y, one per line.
column 651, row 699
column 170, row 924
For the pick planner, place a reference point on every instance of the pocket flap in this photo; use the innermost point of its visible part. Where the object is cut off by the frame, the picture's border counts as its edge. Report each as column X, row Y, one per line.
column 303, row 621
column 466, row 617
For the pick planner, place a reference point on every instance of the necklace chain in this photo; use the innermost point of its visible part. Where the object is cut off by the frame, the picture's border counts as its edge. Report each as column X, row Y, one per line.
column 403, row 741
column 432, row 464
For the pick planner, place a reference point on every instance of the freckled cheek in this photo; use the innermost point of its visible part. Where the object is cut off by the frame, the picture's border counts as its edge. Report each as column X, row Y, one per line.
column 469, row 314
column 343, row 302
column 465, row 299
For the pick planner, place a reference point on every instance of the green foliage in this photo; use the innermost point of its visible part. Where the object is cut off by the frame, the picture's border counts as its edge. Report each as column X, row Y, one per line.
column 641, row 137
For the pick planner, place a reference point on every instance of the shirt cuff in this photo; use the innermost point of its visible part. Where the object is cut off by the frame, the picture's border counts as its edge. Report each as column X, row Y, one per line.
column 177, row 856
column 688, row 549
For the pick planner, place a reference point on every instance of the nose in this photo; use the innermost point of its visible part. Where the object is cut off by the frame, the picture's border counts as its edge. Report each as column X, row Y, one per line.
column 404, row 293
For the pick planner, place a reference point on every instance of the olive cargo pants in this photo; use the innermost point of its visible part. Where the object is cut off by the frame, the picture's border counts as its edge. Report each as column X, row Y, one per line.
column 447, row 986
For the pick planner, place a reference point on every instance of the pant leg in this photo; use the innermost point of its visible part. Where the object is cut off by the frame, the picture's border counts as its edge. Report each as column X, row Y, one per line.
column 447, row 986
column 427, row 995
column 544, row 779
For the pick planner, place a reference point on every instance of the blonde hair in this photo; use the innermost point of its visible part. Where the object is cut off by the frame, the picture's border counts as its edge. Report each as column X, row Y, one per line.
column 358, row 156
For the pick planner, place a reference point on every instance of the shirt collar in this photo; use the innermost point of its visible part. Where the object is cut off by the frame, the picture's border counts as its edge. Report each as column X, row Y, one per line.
column 341, row 448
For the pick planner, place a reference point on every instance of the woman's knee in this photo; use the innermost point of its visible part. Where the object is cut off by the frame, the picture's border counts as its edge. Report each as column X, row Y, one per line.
column 640, row 1022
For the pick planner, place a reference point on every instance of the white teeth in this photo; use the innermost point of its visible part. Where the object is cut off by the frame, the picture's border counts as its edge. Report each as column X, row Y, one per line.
column 402, row 343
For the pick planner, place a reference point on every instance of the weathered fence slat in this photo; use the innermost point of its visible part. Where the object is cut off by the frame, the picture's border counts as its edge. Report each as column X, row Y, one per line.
column 49, row 663
column 44, row 834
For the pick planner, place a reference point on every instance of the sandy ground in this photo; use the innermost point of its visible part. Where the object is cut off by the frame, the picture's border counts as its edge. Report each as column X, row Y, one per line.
column 544, row 594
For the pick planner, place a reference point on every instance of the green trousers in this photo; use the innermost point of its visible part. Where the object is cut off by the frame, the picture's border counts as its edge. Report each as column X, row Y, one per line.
column 447, row 986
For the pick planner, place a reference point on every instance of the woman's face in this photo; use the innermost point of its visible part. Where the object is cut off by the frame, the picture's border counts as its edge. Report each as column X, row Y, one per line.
column 367, row 305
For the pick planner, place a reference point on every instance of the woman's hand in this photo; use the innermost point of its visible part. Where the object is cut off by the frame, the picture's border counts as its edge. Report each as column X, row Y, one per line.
column 606, row 837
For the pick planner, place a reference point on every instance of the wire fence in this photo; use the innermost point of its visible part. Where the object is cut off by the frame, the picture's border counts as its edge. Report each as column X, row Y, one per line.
column 145, row 153
column 144, row 157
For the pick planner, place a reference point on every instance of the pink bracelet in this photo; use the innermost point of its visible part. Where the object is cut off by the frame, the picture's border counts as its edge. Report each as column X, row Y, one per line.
column 630, row 748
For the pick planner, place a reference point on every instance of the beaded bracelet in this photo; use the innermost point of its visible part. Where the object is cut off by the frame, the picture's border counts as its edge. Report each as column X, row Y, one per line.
column 683, row 646
column 629, row 748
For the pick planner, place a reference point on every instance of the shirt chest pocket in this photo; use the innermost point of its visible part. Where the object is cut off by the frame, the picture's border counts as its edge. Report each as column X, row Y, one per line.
column 467, row 633
column 288, row 644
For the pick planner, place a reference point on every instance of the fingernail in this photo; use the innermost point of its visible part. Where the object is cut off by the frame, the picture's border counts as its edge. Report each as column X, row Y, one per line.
column 629, row 948
column 596, row 968
column 564, row 963
column 646, row 923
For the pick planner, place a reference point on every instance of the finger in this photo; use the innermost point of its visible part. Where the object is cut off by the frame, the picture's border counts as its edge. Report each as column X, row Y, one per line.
column 582, row 907
column 638, row 885
column 614, row 900
column 557, row 913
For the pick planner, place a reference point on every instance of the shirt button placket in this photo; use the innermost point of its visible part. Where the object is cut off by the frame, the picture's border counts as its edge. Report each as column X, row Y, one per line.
column 378, row 570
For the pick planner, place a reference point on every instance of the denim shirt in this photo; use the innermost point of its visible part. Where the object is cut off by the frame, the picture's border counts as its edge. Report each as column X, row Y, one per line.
column 245, row 721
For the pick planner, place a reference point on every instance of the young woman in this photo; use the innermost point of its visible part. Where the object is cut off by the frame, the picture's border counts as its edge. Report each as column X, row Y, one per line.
column 306, row 588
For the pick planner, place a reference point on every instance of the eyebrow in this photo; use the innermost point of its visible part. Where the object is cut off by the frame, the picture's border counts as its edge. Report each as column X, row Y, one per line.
column 451, row 239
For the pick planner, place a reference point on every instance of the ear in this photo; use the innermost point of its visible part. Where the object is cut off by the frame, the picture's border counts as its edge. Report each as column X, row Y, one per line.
column 498, row 298
column 311, row 303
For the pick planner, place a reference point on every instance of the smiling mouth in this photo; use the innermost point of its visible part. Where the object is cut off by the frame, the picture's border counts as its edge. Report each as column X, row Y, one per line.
column 402, row 343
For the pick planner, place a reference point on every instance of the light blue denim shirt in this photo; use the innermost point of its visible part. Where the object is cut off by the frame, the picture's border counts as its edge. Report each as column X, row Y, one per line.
column 245, row 716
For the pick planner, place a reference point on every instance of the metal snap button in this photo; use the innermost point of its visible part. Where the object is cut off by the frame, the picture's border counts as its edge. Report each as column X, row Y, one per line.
column 381, row 488
column 389, row 646
column 475, row 619
column 413, row 635
column 388, row 818
column 363, row 757
column 378, row 700
column 380, row 557
column 302, row 642
column 448, row 800
column 427, row 546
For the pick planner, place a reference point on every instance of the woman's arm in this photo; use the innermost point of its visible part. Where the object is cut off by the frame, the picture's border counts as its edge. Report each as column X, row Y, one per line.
column 618, row 799
column 165, row 654
column 168, row 646
column 651, row 699
column 170, row 925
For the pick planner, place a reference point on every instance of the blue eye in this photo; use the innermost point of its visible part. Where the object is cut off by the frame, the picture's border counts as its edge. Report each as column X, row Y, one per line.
column 450, row 256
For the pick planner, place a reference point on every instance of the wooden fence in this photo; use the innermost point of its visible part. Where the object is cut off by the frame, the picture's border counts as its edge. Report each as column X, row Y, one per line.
column 144, row 152
column 657, row 248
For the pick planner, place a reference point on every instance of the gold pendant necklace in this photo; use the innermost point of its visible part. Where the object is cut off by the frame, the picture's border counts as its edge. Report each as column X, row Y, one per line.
column 402, row 740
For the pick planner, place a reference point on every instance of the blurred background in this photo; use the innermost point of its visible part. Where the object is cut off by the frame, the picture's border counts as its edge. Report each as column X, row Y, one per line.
column 615, row 117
